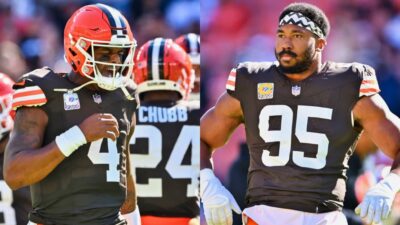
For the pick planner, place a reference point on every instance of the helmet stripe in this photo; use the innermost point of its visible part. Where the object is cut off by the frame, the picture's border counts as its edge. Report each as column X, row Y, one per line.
column 187, row 44
column 113, row 17
column 123, row 24
column 149, row 60
column 193, row 43
column 161, row 60
column 156, row 58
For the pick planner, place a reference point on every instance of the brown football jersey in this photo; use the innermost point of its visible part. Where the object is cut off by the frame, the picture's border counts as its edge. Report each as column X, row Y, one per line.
column 88, row 187
column 166, row 159
column 300, row 134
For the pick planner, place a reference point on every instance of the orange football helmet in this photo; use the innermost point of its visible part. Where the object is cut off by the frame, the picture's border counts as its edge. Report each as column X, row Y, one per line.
column 191, row 44
column 6, row 114
column 161, row 64
column 94, row 26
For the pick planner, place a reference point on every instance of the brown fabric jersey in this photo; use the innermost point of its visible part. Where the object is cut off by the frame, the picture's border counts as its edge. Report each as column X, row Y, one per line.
column 165, row 148
column 88, row 187
column 300, row 134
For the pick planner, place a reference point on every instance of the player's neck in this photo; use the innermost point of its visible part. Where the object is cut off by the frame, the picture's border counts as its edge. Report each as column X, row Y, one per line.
column 316, row 66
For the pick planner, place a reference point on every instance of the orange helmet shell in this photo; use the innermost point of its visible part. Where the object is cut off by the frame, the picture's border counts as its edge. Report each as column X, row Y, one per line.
column 161, row 64
column 95, row 24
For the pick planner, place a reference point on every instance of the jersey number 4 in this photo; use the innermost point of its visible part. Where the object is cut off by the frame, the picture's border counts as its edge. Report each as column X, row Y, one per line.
column 188, row 135
column 284, row 135
column 111, row 158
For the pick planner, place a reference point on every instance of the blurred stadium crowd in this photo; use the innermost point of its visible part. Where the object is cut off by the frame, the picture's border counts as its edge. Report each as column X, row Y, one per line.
column 233, row 31
column 31, row 31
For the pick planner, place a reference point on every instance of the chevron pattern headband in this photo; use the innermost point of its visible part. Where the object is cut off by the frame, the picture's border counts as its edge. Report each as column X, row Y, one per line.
column 300, row 20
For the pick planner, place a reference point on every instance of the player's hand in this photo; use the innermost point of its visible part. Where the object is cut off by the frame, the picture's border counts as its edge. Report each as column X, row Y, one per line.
column 100, row 125
column 377, row 203
column 217, row 201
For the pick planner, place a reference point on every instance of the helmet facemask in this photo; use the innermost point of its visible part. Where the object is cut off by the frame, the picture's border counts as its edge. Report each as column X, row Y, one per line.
column 119, row 73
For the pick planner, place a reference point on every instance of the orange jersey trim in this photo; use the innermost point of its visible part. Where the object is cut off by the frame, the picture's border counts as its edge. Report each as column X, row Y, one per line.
column 21, row 83
column 27, row 93
column 151, row 220
column 367, row 90
column 229, row 82
column 250, row 221
column 34, row 102
column 368, row 82
column 28, row 96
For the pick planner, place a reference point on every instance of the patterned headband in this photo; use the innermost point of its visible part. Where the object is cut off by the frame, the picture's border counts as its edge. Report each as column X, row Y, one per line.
column 300, row 20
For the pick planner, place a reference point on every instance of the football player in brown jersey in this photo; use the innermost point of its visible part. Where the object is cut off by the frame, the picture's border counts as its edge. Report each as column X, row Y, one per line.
column 71, row 131
column 166, row 144
column 14, row 205
column 302, row 118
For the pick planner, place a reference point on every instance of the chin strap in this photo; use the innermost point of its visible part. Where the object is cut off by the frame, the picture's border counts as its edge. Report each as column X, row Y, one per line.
column 126, row 93
column 74, row 89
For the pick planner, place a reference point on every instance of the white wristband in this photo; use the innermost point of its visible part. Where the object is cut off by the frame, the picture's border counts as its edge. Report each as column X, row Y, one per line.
column 133, row 218
column 70, row 140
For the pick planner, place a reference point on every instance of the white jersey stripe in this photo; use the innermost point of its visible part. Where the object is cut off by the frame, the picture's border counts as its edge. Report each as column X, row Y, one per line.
column 192, row 38
column 27, row 89
column 230, row 87
column 232, row 78
column 29, row 97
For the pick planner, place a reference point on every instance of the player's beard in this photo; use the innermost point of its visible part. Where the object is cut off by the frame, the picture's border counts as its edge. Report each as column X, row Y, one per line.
column 300, row 66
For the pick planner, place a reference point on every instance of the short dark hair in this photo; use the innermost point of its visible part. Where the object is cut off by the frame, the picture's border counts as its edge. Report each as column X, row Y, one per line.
column 312, row 12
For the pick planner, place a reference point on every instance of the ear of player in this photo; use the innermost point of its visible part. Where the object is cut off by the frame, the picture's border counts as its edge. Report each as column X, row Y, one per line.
column 218, row 202
column 161, row 64
column 377, row 203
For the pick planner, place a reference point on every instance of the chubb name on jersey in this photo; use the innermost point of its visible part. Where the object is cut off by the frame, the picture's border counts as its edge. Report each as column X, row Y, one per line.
column 154, row 114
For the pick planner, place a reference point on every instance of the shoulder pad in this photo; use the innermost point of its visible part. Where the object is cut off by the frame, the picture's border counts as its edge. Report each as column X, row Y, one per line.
column 362, row 69
column 27, row 91
column 41, row 72
column 254, row 67
column 369, row 83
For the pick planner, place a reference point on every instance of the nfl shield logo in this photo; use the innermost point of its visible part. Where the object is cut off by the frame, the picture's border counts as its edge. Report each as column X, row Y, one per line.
column 296, row 90
column 97, row 98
